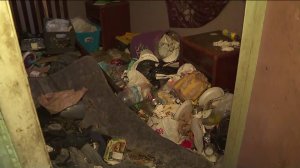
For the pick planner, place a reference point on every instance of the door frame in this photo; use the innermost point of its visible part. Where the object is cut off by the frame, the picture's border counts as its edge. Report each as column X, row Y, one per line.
column 250, row 46
column 16, row 105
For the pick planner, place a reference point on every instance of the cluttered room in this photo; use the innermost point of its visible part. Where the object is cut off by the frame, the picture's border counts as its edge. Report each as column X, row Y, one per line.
column 131, row 83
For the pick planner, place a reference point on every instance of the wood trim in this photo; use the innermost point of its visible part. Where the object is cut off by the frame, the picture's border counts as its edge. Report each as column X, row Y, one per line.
column 42, row 12
column 57, row 9
column 49, row 7
column 16, row 102
column 66, row 12
column 25, row 14
column 34, row 17
column 254, row 13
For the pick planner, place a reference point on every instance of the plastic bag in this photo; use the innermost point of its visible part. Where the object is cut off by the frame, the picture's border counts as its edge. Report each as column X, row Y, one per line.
column 222, row 110
column 168, row 48
column 224, row 105
column 166, row 127
column 58, row 25
column 81, row 25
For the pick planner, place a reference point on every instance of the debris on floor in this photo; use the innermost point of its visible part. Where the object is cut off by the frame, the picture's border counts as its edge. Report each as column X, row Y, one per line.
column 114, row 151
column 106, row 118
column 180, row 106
column 176, row 102
column 39, row 64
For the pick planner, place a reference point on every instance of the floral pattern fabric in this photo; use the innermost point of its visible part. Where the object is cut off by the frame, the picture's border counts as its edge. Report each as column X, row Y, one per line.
column 195, row 13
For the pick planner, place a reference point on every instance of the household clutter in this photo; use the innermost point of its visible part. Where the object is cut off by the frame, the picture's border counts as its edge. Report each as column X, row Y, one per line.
column 59, row 38
column 181, row 106
column 175, row 100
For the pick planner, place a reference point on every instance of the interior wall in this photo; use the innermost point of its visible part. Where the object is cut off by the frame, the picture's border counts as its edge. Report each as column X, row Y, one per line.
column 76, row 9
column 272, row 135
column 152, row 15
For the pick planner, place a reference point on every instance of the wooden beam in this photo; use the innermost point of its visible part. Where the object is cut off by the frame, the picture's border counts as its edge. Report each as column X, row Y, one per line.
column 16, row 102
column 252, row 31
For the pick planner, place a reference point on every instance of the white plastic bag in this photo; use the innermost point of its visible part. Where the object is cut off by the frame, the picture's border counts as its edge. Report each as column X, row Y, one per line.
column 81, row 25
column 58, row 25
column 168, row 48
column 166, row 127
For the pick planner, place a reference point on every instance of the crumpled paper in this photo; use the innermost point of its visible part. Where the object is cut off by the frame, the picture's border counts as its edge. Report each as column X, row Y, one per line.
column 58, row 101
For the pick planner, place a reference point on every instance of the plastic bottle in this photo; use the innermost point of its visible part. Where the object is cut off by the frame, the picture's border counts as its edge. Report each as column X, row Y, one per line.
column 134, row 94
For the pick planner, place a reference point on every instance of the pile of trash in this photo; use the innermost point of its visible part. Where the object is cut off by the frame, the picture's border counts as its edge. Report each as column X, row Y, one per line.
column 61, row 113
column 38, row 64
column 176, row 102
column 71, row 145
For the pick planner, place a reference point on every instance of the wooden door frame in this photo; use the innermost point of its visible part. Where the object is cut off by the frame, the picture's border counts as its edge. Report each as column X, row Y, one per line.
column 16, row 104
column 250, row 46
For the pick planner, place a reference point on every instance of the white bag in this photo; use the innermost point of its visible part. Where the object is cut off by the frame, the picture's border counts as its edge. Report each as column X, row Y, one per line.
column 166, row 127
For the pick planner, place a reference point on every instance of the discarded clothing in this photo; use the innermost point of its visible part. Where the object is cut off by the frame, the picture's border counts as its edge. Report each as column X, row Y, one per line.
column 58, row 101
